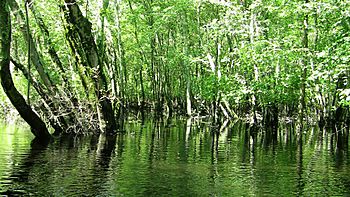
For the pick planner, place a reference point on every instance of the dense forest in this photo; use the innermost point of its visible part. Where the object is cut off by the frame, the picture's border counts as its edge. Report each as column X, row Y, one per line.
column 83, row 66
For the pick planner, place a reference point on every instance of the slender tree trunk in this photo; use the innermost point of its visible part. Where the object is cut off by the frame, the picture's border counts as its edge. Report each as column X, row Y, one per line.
column 38, row 126
column 83, row 74
column 305, row 62
column 142, row 90
column 152, row 54
column 121, row 53
column 35, row 57
column 188, row 98
column 256, row 69
column 51, row 49
column 29, row 47
column 143, row 60
column 56, row 119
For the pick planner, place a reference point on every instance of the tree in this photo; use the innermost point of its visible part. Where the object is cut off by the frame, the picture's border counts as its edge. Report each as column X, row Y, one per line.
column 37, row 125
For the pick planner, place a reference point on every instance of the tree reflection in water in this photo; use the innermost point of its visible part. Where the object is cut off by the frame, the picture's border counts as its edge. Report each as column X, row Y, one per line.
column 190, row 157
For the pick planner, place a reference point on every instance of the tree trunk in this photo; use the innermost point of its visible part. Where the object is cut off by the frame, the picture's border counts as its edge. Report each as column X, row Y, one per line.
column 82, row 29
column 35, row 56
column 51, row 49
column 38, row 126
column 55, row 118
column 188, row 98
column 305, row 62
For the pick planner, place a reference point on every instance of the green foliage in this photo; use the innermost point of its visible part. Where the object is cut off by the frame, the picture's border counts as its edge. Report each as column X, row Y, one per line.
column 240, row 50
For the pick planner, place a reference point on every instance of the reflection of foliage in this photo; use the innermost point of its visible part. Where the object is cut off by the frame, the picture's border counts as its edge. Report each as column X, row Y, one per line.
column 157, row 158
column 14, row 143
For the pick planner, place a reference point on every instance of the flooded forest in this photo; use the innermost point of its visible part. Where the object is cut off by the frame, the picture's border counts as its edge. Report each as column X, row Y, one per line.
column 174, row 97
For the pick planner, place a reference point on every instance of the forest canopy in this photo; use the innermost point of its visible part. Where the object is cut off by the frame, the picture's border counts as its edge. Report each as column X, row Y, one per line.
column 82, row 66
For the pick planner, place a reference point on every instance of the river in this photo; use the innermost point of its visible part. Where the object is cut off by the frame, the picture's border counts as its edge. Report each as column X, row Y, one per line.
column 176, row 158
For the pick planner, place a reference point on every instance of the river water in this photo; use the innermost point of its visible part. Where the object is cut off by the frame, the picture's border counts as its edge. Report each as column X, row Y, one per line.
column 177, row 158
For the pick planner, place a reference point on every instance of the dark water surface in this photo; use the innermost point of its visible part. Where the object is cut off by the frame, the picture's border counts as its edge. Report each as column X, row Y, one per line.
column 175, row 159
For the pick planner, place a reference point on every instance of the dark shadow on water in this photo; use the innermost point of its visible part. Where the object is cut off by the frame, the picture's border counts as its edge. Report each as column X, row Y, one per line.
column 68, row 149
column 106, row 152
column 21, row 173
column 300, row 169
column 339, row 152
column 340, row 145
column 109, row 147
column 249, row 143
column 172, row 156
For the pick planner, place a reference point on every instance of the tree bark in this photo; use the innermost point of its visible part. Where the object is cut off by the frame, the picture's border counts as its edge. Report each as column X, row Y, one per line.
column 38, row 126
column 56, row 121
column 305, row 62
column 82, row 28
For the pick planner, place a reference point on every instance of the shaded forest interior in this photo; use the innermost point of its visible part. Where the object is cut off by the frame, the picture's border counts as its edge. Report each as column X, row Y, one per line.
column 84, row 66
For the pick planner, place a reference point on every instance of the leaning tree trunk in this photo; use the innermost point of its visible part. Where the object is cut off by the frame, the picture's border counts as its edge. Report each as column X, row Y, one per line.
column 81, row 30
column 38, row 126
